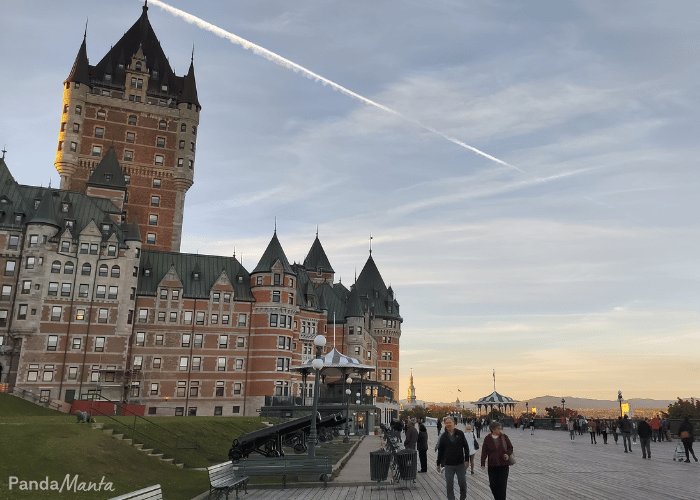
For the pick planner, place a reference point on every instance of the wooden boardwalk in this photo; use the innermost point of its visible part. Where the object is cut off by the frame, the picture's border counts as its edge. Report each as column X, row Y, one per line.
column 549, row 466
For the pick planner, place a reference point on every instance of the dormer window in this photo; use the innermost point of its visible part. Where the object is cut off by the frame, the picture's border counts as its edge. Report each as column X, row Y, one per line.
column 147, row 271
column 108, row 177
column 120, row 66
column 154, row 74
column 108, row 77
column 64, row 207
column 18, row 218
column 138, row 66
column 70, row 224
column 36, row 204
column 164, row 88
column 196, row 275
column 105, row 228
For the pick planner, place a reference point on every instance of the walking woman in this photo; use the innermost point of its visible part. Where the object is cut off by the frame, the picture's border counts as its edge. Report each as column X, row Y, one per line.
column 497, row 448
column 685, row 431
column 604, row 431
column 469, row 434
column 592, row 429
column 453, row 452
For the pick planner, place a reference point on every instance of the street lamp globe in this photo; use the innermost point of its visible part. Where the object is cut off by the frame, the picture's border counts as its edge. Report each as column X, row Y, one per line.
column 317, row 363
column 319, row 341
column 348, row 391
column 348, row 380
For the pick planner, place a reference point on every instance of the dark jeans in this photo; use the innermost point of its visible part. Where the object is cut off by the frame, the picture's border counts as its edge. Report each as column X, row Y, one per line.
column 646, row 446
column 593, row 441
column 461, row 472
column 605, row 437
column 688, row 444
column 423, row 457
column 498, row 481
column 626, row 440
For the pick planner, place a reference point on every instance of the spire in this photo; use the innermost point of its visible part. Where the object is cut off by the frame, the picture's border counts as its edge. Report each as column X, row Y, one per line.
column 108, row 172
column 81, row 67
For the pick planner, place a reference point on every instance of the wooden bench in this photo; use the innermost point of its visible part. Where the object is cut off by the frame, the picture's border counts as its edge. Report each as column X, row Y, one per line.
column 294, row 465
column 151, row 493
column 225, row 477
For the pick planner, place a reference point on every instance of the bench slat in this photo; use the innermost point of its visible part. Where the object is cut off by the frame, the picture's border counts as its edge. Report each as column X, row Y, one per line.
column 151, row 493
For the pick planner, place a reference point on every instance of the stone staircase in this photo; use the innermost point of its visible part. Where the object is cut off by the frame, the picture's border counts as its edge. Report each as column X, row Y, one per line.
column 138, row 446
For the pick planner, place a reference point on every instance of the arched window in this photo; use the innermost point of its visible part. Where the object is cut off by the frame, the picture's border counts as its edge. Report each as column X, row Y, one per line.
column 86, row 269
column 56, row 266
column 68, row 268
column 115, row 271
column 103, row 270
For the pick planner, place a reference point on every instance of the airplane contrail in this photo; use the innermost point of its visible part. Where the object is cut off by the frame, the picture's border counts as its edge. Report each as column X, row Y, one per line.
column 277, row 59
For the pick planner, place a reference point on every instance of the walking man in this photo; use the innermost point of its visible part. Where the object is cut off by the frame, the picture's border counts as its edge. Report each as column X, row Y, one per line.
column 645, row 432
column 626, row 430
column 453, row 456
column 497, row 448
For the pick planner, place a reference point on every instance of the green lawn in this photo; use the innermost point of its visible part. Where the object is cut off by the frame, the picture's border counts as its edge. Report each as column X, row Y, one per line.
column 37, row 442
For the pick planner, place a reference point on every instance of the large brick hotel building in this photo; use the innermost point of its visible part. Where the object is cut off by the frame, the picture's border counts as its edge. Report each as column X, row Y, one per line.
column 97, row 298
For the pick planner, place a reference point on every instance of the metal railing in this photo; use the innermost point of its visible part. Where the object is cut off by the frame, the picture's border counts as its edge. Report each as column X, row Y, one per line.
column 35, row 398
column 133, row 430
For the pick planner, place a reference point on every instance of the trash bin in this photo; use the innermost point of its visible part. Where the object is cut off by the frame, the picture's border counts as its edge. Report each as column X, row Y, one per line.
column 379, row 462
column 407, row 464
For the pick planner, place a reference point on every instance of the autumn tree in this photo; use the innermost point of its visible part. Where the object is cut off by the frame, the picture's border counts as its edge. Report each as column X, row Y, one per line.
column 684, row 408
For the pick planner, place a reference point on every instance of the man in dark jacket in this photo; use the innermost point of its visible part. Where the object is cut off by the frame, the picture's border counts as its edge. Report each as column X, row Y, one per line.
column 644, row 431
column 411, row 436
column 422, row 447
column 498, row 449
column 626, row 430
column 453, row 455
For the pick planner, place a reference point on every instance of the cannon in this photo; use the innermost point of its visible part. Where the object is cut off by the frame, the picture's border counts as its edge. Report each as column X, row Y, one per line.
column 294, row 434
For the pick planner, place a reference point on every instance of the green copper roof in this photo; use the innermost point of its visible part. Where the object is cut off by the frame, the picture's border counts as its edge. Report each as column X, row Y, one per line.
column 186, row 265
column 272, row 254
column 317, row 258
column 48, row 208
column 354, row 307
column 332, row 303
column 81, row 68
column 373, row 291
column 108, row 173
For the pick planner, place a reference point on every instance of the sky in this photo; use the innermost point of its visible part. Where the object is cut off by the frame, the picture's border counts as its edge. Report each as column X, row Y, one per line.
column 571, row 269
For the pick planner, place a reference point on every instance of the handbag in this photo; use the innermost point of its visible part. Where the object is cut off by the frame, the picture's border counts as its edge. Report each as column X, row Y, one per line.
column 476, row 444
column 511, row 458
column 684, row 435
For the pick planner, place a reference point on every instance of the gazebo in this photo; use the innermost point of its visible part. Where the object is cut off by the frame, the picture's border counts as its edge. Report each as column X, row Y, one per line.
column 501, row 402
column 335, row 364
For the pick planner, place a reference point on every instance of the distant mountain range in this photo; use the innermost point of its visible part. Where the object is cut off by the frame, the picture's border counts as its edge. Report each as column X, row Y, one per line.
column 543, row 402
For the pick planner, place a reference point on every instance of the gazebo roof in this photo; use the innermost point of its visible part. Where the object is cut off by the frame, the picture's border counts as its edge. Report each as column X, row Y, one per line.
column 334, row 360
column 494, row 399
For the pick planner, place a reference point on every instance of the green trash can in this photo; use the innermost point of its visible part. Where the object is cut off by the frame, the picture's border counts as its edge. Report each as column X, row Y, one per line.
column 379, row 462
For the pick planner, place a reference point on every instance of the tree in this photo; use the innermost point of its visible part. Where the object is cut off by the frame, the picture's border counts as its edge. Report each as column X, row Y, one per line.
column 440, row 411
column 416, row 412
column 684, row 408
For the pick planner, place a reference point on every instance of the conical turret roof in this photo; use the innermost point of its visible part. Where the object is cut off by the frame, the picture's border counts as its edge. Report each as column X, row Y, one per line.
column 317, row 258
column 81, row 67
column 272, row 254
column 108, row 173
column 189, row 88
column 47, row 210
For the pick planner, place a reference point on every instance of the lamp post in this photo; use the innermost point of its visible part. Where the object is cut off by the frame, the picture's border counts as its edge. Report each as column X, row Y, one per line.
column 348, row 392
column 563, row 408
column 357, row 418
column 620, row 398
column 527, row 409
column 317, row 363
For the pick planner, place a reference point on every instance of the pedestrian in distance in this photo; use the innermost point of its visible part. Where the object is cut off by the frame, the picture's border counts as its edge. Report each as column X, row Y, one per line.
column 439, row 425
column 616, row 429
column 532, row 426
column 422, row 447
column 604, row 431
column 572, row 428
column 497, row 449
column 645, row 432
column 655, row 424
column 592, row 429
column 469, row 433
column 685, row 432
column 411, row 436
column 453, row 455
column 626, row 429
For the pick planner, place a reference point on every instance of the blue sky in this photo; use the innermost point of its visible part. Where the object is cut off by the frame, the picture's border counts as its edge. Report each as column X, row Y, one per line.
column 574, row 272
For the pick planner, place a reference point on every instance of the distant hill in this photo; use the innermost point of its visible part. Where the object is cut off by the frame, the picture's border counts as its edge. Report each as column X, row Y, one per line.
column 543, row 402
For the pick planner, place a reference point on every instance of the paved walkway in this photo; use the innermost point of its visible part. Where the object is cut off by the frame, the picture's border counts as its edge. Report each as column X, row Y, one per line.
column 550, row 467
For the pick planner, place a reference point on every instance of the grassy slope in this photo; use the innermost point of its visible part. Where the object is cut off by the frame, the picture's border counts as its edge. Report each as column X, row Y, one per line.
column 36, row 442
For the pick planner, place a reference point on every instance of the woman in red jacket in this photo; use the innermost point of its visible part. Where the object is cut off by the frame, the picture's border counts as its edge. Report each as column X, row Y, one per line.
column 497, row 448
